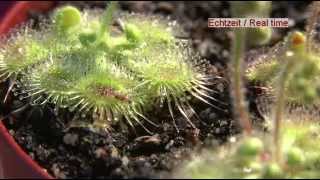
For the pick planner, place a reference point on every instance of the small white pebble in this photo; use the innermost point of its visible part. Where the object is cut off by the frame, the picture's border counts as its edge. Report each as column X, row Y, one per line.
column 125, row 161
column 233, row 139
column 70, row 139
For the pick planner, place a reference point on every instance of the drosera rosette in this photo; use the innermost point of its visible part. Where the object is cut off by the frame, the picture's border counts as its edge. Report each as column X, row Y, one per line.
column 18, row 54
column 105, row 68
column 86, row 82
column 172, row 79
column 169, row 68
column 25, row 48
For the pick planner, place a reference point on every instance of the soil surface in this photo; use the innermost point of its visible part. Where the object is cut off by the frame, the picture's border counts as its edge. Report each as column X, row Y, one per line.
column 133, row 153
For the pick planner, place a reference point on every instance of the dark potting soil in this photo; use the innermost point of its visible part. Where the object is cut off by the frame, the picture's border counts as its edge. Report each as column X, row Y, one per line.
column 132, row 153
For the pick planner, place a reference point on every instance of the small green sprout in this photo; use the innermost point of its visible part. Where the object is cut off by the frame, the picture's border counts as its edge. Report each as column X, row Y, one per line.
column 250, row 147
column 67, row 17
column 272, row 170
column 87, row 37
column 295, row 157
column 101, row 71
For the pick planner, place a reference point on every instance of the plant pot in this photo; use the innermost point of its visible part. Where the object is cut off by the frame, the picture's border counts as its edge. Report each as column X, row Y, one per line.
column 14, row 162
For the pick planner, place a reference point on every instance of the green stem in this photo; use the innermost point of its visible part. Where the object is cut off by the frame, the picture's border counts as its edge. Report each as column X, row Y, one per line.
column 278, row 117
column 237, row 84
column 312, row 23
column 106, row 20
column 279, row 107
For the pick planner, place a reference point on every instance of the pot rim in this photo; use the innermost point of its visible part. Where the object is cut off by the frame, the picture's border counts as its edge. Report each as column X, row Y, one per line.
column 9, row 20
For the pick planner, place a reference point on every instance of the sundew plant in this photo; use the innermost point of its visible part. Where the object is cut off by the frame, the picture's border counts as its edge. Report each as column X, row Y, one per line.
column 105, row 65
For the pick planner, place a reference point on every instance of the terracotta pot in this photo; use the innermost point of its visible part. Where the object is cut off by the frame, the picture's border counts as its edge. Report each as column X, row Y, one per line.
column 14, row 162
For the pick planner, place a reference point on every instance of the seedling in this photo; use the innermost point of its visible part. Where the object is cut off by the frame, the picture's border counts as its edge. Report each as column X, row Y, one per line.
column 251, row 147
column 107, row 72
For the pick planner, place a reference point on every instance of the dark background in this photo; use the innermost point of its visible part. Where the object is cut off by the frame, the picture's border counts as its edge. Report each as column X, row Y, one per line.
column 4, row 6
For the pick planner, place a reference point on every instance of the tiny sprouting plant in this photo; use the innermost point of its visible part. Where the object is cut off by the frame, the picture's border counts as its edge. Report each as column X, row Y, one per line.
column 108, row 67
